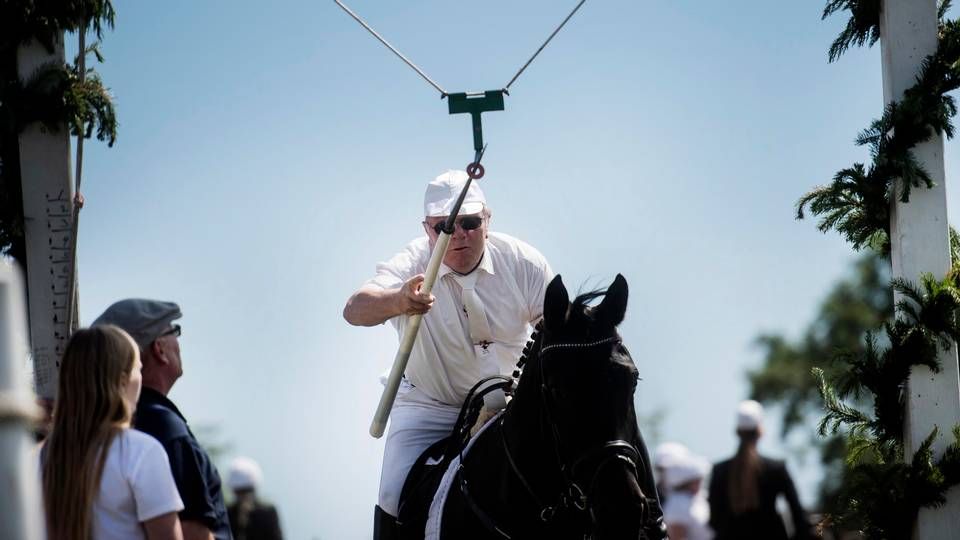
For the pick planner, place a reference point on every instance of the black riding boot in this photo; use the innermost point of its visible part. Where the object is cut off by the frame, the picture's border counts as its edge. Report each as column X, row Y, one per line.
column 384, row 525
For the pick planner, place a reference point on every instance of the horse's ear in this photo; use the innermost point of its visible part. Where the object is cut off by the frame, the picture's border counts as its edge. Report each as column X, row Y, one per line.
column 556, row 301
column 614, row 306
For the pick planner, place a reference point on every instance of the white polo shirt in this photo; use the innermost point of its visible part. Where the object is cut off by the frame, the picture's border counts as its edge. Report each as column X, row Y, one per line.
column 511, row 284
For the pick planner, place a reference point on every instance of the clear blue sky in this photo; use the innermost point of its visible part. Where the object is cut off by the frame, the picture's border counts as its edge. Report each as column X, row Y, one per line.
column 270, row 154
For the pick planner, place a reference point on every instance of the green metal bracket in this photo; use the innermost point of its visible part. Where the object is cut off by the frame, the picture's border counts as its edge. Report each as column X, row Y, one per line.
column 476, row 103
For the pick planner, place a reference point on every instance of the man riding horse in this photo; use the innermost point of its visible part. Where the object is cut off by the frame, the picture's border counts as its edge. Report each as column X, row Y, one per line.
column 488, row 295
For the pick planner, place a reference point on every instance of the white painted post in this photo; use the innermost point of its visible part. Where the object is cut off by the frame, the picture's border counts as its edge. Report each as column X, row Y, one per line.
column 48, row 218
column 20, row 503
column 921, row 243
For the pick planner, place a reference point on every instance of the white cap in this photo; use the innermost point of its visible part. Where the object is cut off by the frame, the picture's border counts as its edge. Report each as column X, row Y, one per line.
column 749, row 415
column 686, row 468
column 244, row 474
column 442, row 194
column 668, row 453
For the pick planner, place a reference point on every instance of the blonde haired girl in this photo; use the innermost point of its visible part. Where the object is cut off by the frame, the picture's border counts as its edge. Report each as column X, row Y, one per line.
column 101, row 479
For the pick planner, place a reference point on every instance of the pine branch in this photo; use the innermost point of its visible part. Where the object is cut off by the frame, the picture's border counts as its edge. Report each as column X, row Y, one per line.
column 949, row 462
column 954, row 250
column 46, row 22
column 935, row 307
column 838, row 413
column 863, row 26
column 943, row 8
column 927, row 482
column 55, row 94
column 855, row 204
column 861, row 372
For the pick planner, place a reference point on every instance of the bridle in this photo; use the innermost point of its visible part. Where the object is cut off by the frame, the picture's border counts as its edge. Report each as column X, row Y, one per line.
column 572, row 495
column 606, row 452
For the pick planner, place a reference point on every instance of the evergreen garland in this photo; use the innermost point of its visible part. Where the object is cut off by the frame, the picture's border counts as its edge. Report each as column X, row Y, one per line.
column 885, row 491
column 55, row 94
column 857, row 203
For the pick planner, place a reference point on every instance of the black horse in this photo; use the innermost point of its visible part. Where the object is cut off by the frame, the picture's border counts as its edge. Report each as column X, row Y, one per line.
column 566, row 458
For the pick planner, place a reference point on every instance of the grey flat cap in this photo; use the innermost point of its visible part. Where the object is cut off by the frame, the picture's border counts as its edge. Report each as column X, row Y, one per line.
column 145, row 320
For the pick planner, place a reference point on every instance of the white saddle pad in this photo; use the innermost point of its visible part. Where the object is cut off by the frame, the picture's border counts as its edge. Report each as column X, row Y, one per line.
column 435, row 515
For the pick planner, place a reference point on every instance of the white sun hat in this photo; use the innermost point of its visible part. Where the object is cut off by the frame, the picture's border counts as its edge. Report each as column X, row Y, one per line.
column 443, row 191
column 686, row 468
column 244, row 473
column 668, row 453
column 749, row 415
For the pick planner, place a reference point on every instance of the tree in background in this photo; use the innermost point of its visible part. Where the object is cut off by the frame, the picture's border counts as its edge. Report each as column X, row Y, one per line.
column 845, row 324
column 56, row 94
column 857, row 304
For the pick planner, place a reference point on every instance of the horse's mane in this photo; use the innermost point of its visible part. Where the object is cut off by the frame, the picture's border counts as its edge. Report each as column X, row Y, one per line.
column 581, row 303
column 531, row 349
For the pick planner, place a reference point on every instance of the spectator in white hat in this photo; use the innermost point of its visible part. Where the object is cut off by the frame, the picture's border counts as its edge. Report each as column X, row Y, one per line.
column 250, row 518
column 664, row 456
column 488, row 294
column 744, row 489
column 687, row 512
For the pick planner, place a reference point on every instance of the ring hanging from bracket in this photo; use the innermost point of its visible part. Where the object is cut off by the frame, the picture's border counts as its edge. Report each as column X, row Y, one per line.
column 475, row 171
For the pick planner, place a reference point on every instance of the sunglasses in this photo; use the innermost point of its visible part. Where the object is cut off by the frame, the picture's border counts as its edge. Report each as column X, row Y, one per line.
column 173, row 331
column 467, row 223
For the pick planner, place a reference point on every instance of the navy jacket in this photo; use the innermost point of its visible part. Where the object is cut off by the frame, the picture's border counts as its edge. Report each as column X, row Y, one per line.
column 197, row 479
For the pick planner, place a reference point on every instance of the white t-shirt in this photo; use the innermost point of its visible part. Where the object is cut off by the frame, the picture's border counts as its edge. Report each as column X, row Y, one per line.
column 690, row 511
column 136, row 486
column 513, row 277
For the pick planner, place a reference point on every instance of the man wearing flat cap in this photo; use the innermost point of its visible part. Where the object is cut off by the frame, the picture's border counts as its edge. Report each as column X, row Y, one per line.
column 488, row 295
column 150, row 323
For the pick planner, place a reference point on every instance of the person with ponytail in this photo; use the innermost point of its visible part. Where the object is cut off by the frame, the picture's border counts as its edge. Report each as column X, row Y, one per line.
column 744, row 489
column 101, row 479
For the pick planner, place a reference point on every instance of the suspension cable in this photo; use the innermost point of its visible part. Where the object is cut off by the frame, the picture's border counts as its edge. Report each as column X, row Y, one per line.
column 507, row 87
column 443, row 93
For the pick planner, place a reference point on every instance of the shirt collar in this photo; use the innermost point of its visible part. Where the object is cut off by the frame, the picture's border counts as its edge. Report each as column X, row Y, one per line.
column 149, row 396
column 486, row 264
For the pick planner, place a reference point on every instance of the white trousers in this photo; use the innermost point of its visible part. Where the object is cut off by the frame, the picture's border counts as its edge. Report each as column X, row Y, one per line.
column 416, row 422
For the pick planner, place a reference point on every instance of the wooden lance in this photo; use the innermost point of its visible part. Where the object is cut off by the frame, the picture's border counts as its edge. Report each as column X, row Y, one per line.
column 412, row 328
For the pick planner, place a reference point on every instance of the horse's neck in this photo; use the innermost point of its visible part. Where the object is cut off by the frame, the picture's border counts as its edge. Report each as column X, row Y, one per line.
column 529, row 442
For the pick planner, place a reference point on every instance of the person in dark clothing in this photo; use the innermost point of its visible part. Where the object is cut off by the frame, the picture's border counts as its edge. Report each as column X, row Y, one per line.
column 250, row 518
column 744, row 489
column 149, row 322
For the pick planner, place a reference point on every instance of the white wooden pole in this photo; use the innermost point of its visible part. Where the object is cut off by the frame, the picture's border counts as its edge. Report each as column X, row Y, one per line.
column 410, row 332
column 20, row 503
column 48, row 219
column 921, row 243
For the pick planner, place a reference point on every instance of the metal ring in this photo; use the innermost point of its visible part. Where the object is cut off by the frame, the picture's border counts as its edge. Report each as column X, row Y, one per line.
column 577, row 497
column 547, row 514
column 475, row 171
